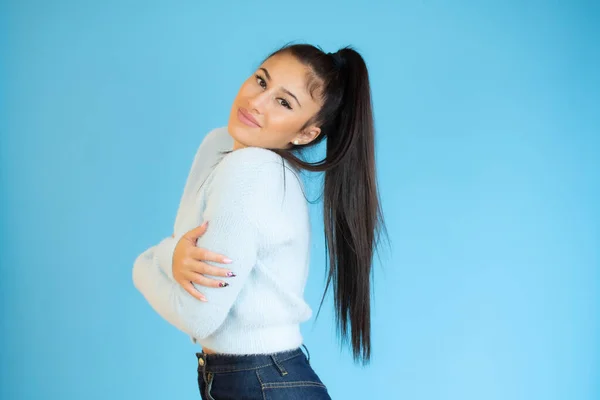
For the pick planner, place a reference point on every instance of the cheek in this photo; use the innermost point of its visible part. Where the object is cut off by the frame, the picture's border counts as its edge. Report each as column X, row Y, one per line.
column 243, row 89
column 247, row 89
column 282, row 120
column 240, row 99
column 281, row 127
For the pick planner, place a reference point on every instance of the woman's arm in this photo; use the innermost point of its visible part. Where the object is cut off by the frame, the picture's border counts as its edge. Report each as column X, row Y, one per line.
column 208, row 153
column 243, row 199
column 206, row 156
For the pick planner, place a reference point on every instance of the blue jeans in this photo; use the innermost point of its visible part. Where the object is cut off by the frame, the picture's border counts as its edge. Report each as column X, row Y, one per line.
column 284, row 375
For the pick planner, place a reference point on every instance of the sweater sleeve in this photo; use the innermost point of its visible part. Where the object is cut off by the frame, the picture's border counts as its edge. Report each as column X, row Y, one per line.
column 207, row 154
column 164, row 254
column 244, row 198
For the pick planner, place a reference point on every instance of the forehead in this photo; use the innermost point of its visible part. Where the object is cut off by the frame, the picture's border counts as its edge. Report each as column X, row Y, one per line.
column 285, row 66
column 287, row 72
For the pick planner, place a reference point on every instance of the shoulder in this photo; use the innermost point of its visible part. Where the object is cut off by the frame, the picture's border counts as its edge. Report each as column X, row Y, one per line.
column 218, row 139
column 250, row 161
column 256, row 185
column 219, row 133
column 249, row 172
column 256, row 155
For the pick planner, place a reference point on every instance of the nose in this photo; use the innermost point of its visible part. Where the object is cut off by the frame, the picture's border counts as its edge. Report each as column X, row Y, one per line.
column 258, row 102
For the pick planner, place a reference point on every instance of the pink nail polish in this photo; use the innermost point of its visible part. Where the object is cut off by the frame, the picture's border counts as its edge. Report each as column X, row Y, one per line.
column 227, row 261
column 230, row 274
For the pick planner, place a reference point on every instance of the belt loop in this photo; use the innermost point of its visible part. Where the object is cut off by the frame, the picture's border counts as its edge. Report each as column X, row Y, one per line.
column 307, row 354
column 282, row 370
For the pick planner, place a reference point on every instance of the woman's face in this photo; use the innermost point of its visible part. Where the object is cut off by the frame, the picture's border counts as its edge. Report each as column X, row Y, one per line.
column 273, row 105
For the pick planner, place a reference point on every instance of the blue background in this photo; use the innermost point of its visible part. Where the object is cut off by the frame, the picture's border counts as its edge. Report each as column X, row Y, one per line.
column 488, row 148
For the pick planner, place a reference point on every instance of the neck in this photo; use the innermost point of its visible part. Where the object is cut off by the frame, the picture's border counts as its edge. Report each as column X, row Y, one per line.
column 237, row 145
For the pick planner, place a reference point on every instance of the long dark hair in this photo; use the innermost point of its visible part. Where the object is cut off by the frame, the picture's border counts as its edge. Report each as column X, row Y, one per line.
column 351, row 208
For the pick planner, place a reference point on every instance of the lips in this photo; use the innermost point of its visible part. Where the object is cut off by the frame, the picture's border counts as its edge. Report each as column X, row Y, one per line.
column 246, row 118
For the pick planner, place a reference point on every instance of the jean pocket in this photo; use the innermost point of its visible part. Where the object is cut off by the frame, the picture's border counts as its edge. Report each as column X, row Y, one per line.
column 295, row 390
column 292, row 379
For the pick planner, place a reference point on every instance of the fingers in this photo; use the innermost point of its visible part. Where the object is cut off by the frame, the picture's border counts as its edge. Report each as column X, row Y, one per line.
column 195, row 233
column 207, row 269
column 192, row 290
column 202, row 280
column 203, row 254
column 206, row 255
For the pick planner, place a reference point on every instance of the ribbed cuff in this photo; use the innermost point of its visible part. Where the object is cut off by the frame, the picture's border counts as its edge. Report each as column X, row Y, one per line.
column 164, row 255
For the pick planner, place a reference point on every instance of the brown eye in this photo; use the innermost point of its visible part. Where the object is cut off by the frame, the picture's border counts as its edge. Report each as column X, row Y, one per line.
column 284, row 103
column 261, row 81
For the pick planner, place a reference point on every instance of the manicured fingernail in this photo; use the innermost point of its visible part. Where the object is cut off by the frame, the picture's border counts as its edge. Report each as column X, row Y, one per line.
column 223, row 284
column 230, row 274
column 203, row 299
column 227, row 261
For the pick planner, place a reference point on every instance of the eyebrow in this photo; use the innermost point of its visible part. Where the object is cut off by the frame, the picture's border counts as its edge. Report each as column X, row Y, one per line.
column 284, row 89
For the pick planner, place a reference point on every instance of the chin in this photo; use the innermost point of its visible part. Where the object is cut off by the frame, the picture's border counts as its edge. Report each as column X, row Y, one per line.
column 241, row 133
column 237, row 131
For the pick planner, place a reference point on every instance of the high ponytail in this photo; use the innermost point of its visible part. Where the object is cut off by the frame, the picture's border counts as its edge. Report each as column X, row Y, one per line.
column 352, row 213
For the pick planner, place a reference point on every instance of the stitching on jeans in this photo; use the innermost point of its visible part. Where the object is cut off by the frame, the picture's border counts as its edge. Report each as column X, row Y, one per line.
column 225, row 369
column 221, row 370
column 260, row 380
column 293, row 383
column 282, row 385
column 261, row 385
column 201, row 383
column 209, row 386
column 279, row 366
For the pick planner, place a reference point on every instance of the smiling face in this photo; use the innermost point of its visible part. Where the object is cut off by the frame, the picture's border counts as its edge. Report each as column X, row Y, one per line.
column 273, row 105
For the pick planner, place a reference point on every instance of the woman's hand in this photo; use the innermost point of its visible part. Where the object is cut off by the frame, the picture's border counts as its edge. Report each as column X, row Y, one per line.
column 188, row 265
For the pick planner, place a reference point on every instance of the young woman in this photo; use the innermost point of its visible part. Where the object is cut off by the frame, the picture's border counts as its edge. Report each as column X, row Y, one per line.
column 245, row 189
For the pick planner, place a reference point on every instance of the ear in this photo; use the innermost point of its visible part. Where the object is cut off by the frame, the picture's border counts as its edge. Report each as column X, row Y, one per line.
column 308, row 135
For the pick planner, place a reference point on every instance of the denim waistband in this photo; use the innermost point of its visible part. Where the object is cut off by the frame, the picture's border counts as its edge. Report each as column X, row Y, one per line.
column 232, row 362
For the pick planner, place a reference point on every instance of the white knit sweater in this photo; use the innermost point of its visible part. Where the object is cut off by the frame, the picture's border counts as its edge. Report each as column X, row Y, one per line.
column 258, row 217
